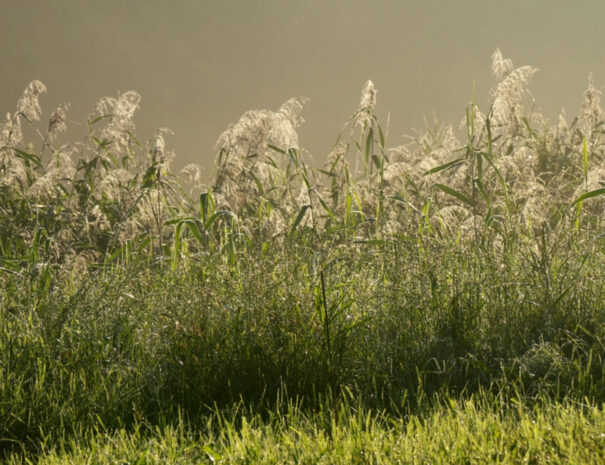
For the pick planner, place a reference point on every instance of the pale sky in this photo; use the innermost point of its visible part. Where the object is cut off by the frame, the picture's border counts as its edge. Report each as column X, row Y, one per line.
column 199, row 64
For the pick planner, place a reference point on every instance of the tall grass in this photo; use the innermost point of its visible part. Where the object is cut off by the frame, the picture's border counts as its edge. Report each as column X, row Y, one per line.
column 132, row 295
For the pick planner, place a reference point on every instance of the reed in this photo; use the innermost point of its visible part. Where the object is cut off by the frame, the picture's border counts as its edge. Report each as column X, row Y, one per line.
column 466, row 264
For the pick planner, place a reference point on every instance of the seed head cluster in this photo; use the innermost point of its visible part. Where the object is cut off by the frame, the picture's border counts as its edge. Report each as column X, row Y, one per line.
column 504, row 167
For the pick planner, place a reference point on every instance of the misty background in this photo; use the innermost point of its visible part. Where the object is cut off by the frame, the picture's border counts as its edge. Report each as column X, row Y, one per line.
column 199, row 65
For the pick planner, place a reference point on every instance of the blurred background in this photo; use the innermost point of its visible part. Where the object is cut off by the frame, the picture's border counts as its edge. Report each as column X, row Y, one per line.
column 199, row 64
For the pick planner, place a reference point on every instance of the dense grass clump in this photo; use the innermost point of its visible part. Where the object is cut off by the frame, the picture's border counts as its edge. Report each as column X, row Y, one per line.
column 433, row 283
column 472, row 431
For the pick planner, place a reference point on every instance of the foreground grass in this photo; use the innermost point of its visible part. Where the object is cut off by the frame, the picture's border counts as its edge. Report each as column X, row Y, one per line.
column 467, row 432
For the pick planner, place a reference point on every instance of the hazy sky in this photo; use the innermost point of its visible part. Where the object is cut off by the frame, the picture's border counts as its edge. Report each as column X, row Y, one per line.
column 199, row 64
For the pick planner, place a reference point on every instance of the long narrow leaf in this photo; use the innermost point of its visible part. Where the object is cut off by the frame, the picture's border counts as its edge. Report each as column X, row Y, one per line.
column 216, row 215
column 194, row 227
column 28, row 157
column 588, row 195
column 326, row 208
column 369, row 144
column 454, row 193
column 436, row 169
column 500, row 179
column 585, row 161
column 299, row 217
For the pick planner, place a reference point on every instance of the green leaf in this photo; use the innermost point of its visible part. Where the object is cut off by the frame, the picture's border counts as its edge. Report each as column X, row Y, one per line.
column 299, row 217
column 212, row 454
column 585, row 161
column 206, row 205
column 215, row 216
column 483, row 192
column 454, row 193
column 277, row 149
column 501, row 180
column 176, row 250
column 179, row 220
column 150, row 177
column 578, row 216
column 270, row 161
column 326, row 208
column 99, row 118
column 29, row 157
column 588, row 195
column 145, row 240
column 132, row 207
column 382, row 138
column 328, row 173
column 194, row 227
column 348, row 207
column 528, row 127
column 436, row 169
column 369, row 144
column 257, row 181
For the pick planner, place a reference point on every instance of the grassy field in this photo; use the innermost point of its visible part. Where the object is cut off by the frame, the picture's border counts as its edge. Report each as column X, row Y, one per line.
column 435, row 302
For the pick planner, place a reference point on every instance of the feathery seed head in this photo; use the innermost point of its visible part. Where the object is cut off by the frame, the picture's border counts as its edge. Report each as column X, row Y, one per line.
column 250, row 137
column 120, row 112
column 292, row 109
column 56, row 124
column 591, row 114
column 394, row 172
column 113, row 183
column 60, row 169
column 501, row 66
column 29, row 104
column 246, row 164
column 508, row 94
column 192, row 173
column 105, row 106
column 336, row 156
column 10, row 132
column 366, row 105
column 368, row 96
column 126, row 104
column 562, row 122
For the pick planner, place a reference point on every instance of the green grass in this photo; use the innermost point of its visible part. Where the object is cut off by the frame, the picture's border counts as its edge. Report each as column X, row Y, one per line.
column 442, row 303
column 465, row 432
column 124, row 346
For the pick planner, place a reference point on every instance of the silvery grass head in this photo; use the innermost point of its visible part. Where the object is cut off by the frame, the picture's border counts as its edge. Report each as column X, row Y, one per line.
column 28, row 105
column 591, row 114
column 28, row 109
column 364, row 114
column 119, row 112
column 15, row 172
column 247, row 165
column 57, row 122
column 507, row 97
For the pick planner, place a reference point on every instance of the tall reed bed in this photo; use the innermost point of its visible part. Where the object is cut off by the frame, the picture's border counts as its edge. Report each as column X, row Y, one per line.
column 111, row 197
column 447, row 266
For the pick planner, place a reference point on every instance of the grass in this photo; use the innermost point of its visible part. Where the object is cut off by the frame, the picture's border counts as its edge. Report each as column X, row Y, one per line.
column 439, row 302
column 472, row 431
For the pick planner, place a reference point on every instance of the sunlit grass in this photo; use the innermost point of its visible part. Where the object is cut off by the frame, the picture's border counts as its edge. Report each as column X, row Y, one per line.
column 472, row 431
column 453, row 284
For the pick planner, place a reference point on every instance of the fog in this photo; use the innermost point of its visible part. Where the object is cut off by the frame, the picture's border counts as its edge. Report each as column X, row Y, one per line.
column 200, row 64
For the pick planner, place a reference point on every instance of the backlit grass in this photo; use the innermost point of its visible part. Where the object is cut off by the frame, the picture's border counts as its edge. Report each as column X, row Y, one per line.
column 440, row 301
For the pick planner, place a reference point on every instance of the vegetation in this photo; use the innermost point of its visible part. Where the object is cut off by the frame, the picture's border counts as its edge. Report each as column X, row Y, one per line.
column 440, row 301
